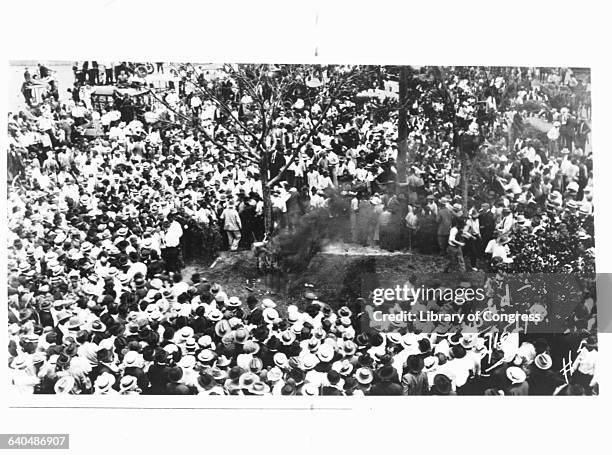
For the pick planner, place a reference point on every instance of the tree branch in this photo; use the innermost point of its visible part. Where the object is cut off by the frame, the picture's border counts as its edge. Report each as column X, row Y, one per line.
column 189, row 121
column 302, row 143
column 255, row 96
column 312, row 131
column 222, row 105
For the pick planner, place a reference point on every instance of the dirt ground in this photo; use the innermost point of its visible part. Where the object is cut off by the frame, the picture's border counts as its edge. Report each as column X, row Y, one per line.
column 335, row 276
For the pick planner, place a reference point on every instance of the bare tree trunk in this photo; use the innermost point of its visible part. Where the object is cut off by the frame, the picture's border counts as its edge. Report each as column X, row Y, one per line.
column 402, row 128
column 264, row 168
column 465, row 173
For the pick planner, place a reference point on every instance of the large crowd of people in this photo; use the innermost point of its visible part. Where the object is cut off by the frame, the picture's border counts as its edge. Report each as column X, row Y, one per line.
column 100, row 228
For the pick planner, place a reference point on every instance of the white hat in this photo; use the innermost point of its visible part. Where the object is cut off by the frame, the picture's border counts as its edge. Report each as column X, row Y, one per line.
column 131, row 359
column 364, row 376
column 104, row 382
column 64, row 385
column 516, row 375
column 233, row 301
column 430, row 362
column 205, row 341
column 187, row 362
column 280, row 360
column 573, row 186
column 309, row 361
column 19, row 362
column 543, row 361
column 185, row 333
column 156, row 283
column 128, row 382
column 310, row 389
column 268, row 303
column 325, row 353
column 270, row 315
column 275, row 374
column 292, row 309
column 409, row 339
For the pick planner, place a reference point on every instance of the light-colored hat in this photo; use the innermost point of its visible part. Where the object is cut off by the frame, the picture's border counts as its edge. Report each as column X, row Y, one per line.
column 468, row 340
column 205, row 341
column 309, row 361
column 259, row 388
column 280, row 360
column 344, row 367
column 187, row 362
column 516, row 375
column 128, row 382
column 233, row 301
column 325, row 353
column 19, row 362
column 268, row 303
column 215, row 315
column 543, row 361
column 430, row 363
column 185, row 333
column 270, row 315
column 64, row 385
column 131, row 359
column 275, row 374
column 364, row 376
column 104, row 382
column 573, row 186
column 247, row 379
column 310, row 389
column 206, row 356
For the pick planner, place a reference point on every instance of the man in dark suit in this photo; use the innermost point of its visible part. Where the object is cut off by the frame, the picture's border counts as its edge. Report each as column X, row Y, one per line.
column 158, row 374
column 444, row 220
column 388, row 382
column 487, row 223
column 105, row 365
column 542, row 380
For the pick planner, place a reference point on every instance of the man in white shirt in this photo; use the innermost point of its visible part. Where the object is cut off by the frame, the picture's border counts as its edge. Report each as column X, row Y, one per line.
column 232, row 225
column 512, row 185
column 171, row 240
column 312, row 177
column 332, row 166
column 136, row 266
column 458, row 369
column 324, row 181
column 498, row 248
column 78, row 114
column 506, row 222
column 471, row 232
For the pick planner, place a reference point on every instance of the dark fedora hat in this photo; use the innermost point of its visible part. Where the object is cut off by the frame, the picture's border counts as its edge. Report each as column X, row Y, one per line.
column 441, row 385
column 63, row 360
column 105, row 356
column 386, row 373
column 175, row 374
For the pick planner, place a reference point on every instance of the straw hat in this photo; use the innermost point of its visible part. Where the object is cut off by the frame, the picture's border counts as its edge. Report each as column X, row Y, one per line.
column 543, row 361
column 64, row 385
column 364, row 376
column 516, row 375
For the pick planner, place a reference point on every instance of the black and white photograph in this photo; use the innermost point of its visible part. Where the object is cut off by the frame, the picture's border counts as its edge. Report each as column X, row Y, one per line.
column 208, row 229
column 309, row 227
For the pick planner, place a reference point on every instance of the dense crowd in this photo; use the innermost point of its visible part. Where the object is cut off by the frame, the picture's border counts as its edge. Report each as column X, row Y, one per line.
column 100, row 229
